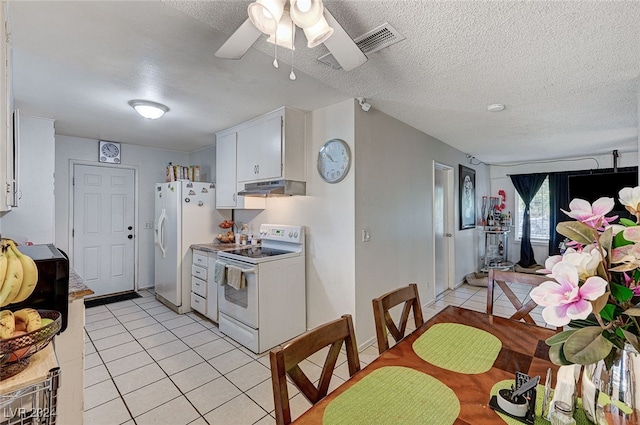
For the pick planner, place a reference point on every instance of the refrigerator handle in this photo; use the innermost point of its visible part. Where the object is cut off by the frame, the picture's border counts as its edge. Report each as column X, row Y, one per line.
column 159, row 234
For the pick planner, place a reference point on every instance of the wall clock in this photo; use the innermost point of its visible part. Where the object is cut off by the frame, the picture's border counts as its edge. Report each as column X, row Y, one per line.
column 109, row 152
column 334, row 160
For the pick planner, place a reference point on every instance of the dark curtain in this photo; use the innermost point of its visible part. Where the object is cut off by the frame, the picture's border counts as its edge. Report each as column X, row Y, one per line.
column 527, row 185
column 558, row 199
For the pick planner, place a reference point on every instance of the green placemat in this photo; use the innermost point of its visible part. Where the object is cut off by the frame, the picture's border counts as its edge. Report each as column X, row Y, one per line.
column 394, row 395
column 458, row 348
column 579, row 416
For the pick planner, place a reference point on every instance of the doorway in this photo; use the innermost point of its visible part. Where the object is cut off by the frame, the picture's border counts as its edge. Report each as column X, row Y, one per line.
column 443, row 218
column 103, row 227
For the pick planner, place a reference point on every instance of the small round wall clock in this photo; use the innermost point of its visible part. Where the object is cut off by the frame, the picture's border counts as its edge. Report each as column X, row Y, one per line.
column 334, row 160
column 109, row 152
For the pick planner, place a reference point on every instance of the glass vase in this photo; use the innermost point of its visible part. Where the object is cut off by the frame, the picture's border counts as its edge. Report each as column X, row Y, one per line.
column 613, row 393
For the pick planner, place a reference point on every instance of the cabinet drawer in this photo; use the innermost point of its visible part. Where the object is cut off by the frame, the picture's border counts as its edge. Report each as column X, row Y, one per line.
column 200, row 258
column 199, row 272
column 198, row 303
column 199, row 286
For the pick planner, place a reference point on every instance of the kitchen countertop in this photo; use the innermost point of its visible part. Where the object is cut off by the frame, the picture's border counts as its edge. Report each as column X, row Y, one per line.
column 215, row 247
column 77, row 287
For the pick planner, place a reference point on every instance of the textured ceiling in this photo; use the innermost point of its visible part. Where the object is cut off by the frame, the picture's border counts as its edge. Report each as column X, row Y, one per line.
column 566, row 71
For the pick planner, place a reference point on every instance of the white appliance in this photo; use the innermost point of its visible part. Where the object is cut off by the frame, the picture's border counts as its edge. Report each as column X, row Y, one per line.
column 185, row 214
column 271, row 308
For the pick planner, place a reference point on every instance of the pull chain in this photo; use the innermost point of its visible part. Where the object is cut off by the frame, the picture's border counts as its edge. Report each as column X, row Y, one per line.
column 292, row 75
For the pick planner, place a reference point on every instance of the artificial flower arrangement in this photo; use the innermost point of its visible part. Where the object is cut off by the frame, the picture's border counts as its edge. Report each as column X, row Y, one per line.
column 597, row 282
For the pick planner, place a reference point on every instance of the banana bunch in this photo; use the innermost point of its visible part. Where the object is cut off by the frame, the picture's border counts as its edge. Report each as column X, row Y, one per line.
column 21, row 321
column 18, row 274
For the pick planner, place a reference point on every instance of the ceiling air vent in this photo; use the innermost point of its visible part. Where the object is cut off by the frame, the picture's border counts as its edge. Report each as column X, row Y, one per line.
column 372, row 41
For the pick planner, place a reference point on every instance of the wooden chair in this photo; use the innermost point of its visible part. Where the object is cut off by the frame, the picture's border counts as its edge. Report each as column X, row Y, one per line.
column 502, row 279
column 381, row 305
column 285, row 360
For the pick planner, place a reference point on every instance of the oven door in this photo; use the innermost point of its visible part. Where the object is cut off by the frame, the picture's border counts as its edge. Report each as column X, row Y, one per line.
column 241, row 304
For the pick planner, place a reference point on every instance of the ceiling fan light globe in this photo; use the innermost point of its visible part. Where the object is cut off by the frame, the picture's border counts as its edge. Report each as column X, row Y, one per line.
column 265, row 14
column 306, row 13
column 285, row 34
column 318, row 34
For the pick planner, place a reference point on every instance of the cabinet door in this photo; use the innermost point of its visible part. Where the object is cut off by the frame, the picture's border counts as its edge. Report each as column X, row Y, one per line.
column 260, row 150
column 226, row 171
column 7, row 159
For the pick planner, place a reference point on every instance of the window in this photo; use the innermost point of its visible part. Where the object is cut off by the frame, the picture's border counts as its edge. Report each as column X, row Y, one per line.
column 539, row 210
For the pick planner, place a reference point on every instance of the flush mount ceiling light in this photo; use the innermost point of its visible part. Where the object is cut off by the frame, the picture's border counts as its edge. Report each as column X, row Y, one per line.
column 148, row 109
column 496, row 107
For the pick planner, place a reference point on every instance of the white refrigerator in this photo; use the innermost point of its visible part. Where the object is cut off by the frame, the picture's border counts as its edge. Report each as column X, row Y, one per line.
column 185, row 214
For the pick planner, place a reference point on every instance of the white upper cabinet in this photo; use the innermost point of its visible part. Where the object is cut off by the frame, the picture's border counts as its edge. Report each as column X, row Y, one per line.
column 227, row 186
column 271, row 147
column 226, row 171
column 7, row 158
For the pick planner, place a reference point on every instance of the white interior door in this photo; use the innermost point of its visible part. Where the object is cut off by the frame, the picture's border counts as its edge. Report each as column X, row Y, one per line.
column 103, row 227
column 442, row 227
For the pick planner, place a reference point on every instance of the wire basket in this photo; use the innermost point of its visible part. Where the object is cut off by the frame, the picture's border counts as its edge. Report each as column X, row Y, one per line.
column 33, row 342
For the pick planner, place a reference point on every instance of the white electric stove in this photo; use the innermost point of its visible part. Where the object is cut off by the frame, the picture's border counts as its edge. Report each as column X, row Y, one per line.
column 271, row 308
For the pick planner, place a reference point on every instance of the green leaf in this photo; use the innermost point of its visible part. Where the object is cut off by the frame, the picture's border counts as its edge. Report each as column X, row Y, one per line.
column 632, row 339
column 586, row 346
column 556, row 355
column 606, row 239
column 577, row 324
column 559, row 338
column 620, row 293
column 633, row 311
column 626, row 222
column 576, row 231
column 599, row 303
column 608, row 312
column 619, row 240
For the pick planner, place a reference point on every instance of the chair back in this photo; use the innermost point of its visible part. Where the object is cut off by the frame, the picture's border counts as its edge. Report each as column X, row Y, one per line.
column 285, row 362
column 381, row 306
column 503, row 279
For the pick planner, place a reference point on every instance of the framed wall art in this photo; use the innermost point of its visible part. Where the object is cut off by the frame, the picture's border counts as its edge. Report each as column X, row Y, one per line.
column 467, row 199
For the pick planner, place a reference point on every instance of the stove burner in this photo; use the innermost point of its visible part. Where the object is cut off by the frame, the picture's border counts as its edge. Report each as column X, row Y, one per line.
column 257, row 252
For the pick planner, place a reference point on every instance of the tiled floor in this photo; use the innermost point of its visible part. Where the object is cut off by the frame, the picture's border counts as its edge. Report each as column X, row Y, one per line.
column 145, row 364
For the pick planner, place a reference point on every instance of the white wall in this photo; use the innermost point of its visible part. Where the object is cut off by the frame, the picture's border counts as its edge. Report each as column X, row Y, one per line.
column 150, row 164
column 33, row 219
column 327, row 212
column 394, row 200
column 500, row 180
column 206, row 159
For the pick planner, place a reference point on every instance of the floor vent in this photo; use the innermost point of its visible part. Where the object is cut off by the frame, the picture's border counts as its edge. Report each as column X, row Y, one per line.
column 375, row 40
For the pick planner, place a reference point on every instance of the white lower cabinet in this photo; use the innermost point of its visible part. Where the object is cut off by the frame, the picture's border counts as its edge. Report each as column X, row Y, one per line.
column 204, row 294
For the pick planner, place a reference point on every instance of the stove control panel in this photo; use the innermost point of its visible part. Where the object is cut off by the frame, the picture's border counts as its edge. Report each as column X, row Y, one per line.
column 281, row 232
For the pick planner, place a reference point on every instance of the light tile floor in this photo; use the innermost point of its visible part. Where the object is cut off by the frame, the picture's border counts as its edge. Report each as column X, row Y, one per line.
column 145, row 364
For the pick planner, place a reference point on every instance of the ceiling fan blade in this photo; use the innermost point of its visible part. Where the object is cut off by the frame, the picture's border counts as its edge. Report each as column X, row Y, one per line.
column 240, row 41
column 341, row 46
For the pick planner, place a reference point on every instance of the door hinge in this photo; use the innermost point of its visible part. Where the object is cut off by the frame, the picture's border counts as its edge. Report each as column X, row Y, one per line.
column 73, row 181
column 73, row 233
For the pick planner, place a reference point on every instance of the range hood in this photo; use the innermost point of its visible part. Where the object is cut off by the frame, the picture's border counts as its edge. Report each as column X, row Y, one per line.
column 274, row 188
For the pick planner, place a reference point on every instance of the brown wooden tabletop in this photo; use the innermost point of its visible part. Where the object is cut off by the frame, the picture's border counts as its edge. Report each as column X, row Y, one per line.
column 523, row 349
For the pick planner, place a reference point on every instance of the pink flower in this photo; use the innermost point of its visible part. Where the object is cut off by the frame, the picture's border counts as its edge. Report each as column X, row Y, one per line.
column 591, row 215
column 564, row 300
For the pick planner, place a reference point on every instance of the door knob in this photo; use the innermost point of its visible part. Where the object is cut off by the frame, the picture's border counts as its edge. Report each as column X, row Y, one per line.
column 130, row 228
column 448, row 235
column 130, row 236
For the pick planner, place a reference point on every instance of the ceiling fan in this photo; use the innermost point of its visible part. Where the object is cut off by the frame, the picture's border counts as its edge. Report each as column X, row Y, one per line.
column 272, row 17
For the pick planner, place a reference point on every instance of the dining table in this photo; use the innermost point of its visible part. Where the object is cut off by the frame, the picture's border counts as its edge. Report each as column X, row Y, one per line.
column 442, row 373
